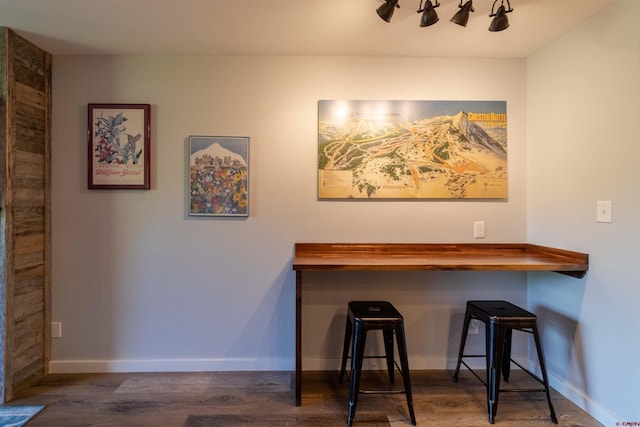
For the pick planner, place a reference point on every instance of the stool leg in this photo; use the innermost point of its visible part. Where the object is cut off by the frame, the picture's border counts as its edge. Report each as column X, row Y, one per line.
column 463, row 340
column 506, row 355
column 345, row 349
column 357, row 355
column 495, row 351
column 545, row 378
column 404, row 364
column 388, row 351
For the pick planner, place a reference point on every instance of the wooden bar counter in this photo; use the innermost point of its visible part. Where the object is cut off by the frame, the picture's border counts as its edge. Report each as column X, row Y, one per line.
column 425, row 257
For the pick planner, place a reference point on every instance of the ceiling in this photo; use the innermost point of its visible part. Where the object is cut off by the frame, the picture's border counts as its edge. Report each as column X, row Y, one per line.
column 285, row 27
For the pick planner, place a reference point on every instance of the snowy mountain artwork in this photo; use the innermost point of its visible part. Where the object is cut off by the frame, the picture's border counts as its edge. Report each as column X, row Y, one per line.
column 412, row 149
column 218, row 176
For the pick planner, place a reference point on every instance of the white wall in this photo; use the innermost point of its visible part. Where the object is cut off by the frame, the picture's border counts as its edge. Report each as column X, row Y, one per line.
column 139, row 285
column 583, row 146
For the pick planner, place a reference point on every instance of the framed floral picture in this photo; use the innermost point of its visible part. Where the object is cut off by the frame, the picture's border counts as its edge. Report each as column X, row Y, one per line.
column 218, row 176
column 119, row 144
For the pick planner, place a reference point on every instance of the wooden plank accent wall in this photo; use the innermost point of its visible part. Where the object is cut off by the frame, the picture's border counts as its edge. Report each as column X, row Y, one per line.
column 25, row 140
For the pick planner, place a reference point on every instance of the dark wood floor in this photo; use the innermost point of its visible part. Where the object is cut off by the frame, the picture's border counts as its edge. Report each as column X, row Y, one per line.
column 266, row 399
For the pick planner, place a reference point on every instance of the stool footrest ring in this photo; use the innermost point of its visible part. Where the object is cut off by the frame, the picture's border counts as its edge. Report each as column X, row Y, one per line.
column 382, row 391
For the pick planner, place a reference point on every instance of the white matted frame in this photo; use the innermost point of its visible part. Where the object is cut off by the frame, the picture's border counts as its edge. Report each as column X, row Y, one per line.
column 218, row 176
column 119, row 145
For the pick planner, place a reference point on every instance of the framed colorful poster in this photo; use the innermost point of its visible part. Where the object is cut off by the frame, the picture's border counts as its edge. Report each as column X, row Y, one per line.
column 412, row 149
column 118, row 146
column 218, row 176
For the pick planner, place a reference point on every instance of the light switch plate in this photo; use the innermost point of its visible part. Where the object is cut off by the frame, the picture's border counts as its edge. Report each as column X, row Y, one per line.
column 604, row 211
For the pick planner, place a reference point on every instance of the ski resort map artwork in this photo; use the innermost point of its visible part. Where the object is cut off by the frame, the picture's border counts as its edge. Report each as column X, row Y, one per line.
column 412, row 149
column 218, row 176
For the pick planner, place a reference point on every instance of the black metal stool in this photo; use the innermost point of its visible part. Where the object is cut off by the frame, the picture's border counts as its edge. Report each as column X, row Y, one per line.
column 364, row 316
column 500, row 319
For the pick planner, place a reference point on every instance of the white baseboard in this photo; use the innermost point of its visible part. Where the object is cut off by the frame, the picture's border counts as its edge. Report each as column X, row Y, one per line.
column 221, row 365
column 584, row 402
column 169, row 365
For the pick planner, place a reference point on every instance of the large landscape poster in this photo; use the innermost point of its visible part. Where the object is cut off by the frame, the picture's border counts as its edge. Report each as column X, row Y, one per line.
column 412, row 149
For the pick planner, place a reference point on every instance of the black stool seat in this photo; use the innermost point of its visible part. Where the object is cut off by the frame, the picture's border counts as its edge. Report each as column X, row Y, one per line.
column 362, row 317
column 500, row 319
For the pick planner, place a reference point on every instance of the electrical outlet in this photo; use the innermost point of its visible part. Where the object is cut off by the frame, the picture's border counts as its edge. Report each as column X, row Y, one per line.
column 56, row 329
column 474, row 326
column 478, row 229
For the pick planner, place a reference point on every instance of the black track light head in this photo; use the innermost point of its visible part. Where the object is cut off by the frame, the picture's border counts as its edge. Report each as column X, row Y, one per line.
column 500, row 20
column 462, row 16
column 429, row 15
column 386, row 10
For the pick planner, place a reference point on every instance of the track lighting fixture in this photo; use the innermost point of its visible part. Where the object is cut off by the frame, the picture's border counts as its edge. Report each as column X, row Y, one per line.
column 386, row 10
column 500, row 20
column 462, row 16
column 429, row 16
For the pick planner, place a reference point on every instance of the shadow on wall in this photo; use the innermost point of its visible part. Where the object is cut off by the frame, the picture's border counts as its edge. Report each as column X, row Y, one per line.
column 475, row 343
column 275, row 316
column 431, row 302
column 562, row 347
column 334, row 341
